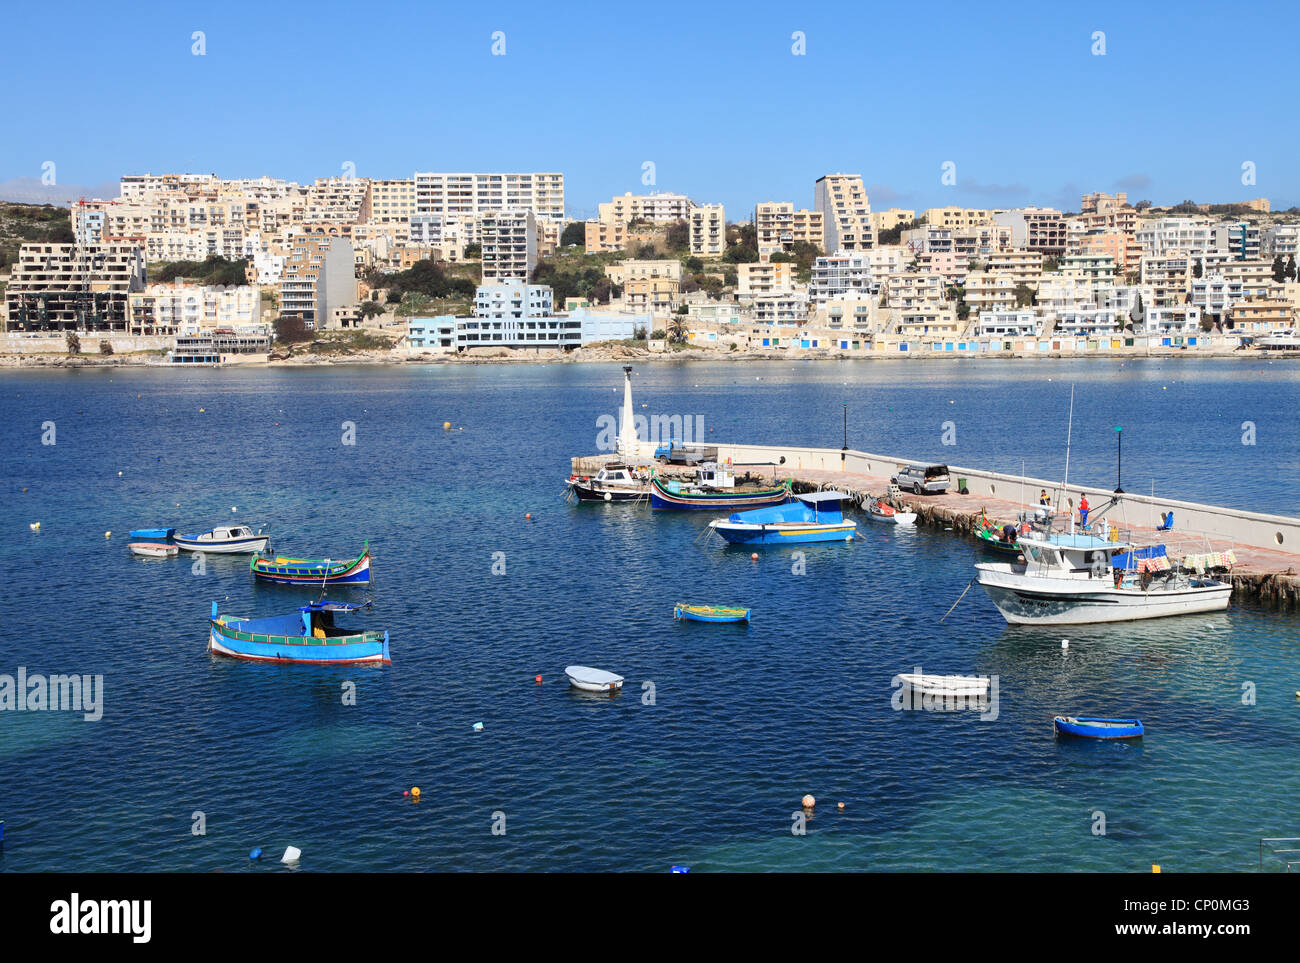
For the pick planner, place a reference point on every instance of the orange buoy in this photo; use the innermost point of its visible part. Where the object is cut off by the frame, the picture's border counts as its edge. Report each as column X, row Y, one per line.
column 538, row 679
column 415, row 792
column 528, row 515
column 809, row 801
column 754, row 557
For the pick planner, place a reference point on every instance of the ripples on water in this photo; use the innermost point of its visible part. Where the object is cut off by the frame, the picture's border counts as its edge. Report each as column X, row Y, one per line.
column 746, row 719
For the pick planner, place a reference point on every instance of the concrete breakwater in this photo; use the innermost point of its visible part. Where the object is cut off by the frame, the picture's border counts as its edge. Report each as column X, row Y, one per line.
column 1266, row 547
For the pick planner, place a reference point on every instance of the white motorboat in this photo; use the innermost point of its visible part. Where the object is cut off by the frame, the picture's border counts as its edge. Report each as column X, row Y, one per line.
column 153, row 549
column 947, row 686
column 1074, row 579
column 613, row 483
column 1285, row 339
column 593, row 680
column 225, row 540
column 886, row 514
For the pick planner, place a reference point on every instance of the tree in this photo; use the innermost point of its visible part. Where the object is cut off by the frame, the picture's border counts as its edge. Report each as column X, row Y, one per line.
column 678, row 236
column 371, row 309
column 647, row 252
column 693, row 264
column 1197, row 269
column 1025, row 296
column 677, row 328
column 475, row 251
column 1136, row 314
column 1279, row 269
column 105, row 346
column 1290, row 267
column 575, row 232
column 72, row 342
column 1142, row 206
column 290, row 328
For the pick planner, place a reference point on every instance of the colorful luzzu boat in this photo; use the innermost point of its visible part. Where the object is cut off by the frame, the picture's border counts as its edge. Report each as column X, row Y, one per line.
column 673, row 496
column 311, row 571
column 308, row 635
column 710, row 613
column 814, row 517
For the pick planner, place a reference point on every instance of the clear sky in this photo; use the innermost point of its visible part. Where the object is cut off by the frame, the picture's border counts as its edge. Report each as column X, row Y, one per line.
column 711, row 93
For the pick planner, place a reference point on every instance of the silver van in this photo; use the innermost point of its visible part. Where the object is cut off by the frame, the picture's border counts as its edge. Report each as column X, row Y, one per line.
column 923, row 479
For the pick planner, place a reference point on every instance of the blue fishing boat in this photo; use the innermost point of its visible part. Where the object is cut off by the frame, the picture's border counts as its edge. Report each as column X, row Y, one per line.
column 710, row 613
column 311, row 571
column 813, row 517
column 1093, row 728
column 151, row 536
column 307, row 635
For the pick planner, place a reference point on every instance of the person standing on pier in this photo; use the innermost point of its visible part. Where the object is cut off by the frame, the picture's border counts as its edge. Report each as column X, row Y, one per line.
column 1083, row 510
column 1043, row 499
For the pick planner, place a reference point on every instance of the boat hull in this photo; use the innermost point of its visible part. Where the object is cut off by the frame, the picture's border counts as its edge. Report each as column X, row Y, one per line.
column 1089, row 729
column 1028, row 601
column 234, row 546
column 663, row 499
column 153, row 549
column 308, row 572
column 952, row 686
column 589, row 493
column 696, row 613
column 369, row 648
column 995, row 546
column 898, row 518
column 738, row 533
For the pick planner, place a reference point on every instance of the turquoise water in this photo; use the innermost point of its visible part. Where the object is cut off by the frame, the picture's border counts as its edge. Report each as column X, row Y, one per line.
column 744, row 721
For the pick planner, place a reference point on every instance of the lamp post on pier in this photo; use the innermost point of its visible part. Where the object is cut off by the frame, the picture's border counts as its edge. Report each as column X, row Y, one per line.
column 1119, row 458
column 845, row 450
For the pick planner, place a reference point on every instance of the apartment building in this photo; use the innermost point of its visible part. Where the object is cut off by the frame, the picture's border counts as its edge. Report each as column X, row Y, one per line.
column 781, row 308
column 862, row 314
column 988, row 293
column 1090, row 322
column 57, row 287
column 1007, row 323
column 708, row 230
column 957, row 218
column 1166, row 235
column 890, row 219
column 1122, row 248
column 779, row 227
column 951, row 267
column 760, row 279
column 1098, row 268
column 846, row 211
column 1023, row 267
column 476, row 194
column 318, row 278
column 980, row 241
column 834, row 275
column 509, row 242
column 515, row 299
column 170, row 308
column 1062, row 292
column 654, row 295
column 391, row 203
column 913, row 289
column 336, row 200
column 927, row 321
column 1262, row 316
column 1281, row 240
column 1168, row 276
column 1040, row 229
column 634, row 269
column 1106, row 212
column 1240, row 242
column 657, row 207
column 1181, row 319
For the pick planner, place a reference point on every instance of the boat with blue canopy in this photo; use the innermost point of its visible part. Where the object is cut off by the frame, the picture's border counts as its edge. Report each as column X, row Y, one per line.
column 710, row 613
column 307, row 635
column 811, row 517
column 1089, row 727
column 311, row 571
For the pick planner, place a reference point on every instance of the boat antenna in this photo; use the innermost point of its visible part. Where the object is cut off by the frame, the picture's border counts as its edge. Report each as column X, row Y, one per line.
column 1069, row 431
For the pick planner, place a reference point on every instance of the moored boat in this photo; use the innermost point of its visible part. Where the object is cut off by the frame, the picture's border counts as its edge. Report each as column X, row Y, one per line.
column 225, row 540
column 153, row 549
column 813, row 517
column 1070, row 579
column 152, row 542
column 613, row 483
column 710, row 613
column 714, row 489
column 995, row 540
column 308, row 635
column 1094, row 728
column 587, row 679
column 308, row 571
column 886, row 514
column 947, row 686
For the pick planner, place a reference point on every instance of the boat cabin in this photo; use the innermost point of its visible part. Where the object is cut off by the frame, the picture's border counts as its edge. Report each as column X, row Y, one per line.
column 1068, row 556
column 616, row 475
column 712, row 475
column 222, row 534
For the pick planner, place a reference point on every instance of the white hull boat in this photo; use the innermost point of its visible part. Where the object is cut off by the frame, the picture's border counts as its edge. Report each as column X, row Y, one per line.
column 587, row 679
column 229, row 540
column 153, row 549
column 947, row 686
column 889, row 515
column 1070, row 580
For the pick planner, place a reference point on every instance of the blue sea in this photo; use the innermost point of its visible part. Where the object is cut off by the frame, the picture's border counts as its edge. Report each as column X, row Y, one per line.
column 704, row 756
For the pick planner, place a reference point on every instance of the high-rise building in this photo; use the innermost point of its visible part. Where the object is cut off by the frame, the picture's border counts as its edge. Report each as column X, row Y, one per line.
column 708, row 230
column 483, row 193
column 56, row 287
column 779, row 227
column 843, row 201
column 509, row 240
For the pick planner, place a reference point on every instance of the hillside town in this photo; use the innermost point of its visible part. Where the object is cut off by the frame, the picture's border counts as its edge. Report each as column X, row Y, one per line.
column 197, row 269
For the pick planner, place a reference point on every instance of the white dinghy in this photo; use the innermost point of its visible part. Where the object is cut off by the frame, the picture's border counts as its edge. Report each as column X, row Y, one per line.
column 587, row 679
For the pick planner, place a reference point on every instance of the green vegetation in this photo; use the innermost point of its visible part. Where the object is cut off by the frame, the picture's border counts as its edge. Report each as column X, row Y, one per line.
column 371, row 309
column 346, row 342
column 473, row 251
column 892, row 235
column 1025, row 296
column 215, row 270
column 574, row 233
column 105, row 347
column 72, row 341
column 742, row 244
column 802, row 255
column 37, row 223
column 429, row 278
column 290, row 329
column 578, row 274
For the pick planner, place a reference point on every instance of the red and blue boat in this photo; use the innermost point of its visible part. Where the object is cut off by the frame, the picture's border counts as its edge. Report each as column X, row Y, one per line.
column 715, row 490
column 308, row 635
column 313, row 571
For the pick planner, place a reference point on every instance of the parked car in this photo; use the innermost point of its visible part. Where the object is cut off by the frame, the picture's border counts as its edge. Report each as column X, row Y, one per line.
column 923, row 479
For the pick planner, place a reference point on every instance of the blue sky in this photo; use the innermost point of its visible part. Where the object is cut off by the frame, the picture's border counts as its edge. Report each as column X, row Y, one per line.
column 1011, row 93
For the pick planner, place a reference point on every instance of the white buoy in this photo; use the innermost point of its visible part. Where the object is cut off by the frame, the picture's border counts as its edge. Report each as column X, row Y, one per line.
column 108, row 534
column 232, row 508
column 35, row 526
column 291, row 854
column 608, row 497
column 119, row 474
column 1065, row 643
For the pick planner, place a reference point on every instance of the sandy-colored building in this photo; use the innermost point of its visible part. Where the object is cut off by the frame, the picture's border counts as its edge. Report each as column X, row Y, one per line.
column 779, row 227
column 656, row 207
column 509, row 241
column 760, row 279
column 57, row 287
column 846, row 210
column 708, row 230
column 958, row 218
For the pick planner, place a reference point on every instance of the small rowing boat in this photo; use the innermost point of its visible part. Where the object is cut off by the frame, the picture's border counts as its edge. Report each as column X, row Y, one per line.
column 310, row 571
column 710, row 613
column 881, row 511
column 307, row 635
column 1089, row 727
column 587, row 679
column 153, row 549
column 947, row 686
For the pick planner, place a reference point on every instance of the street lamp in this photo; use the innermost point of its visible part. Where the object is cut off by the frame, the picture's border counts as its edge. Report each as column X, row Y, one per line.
column 1119, row 458
column 845, row 450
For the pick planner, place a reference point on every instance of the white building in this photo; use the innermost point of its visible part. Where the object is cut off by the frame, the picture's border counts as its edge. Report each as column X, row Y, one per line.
column 835, row 275
column 1023, row 323
column 1159, row 238
column 708, row 230
column 846, row 210
column 509, row 240
column 482, row 193
column 514, row 299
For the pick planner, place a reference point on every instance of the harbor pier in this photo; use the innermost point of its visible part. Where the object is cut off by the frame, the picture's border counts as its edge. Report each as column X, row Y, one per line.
column 1266, row 547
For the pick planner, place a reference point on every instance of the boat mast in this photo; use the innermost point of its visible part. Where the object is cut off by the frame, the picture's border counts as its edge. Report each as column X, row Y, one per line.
column 1068, row 432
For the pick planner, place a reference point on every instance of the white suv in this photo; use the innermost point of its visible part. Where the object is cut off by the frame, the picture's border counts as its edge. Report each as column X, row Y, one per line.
column 923, row 479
